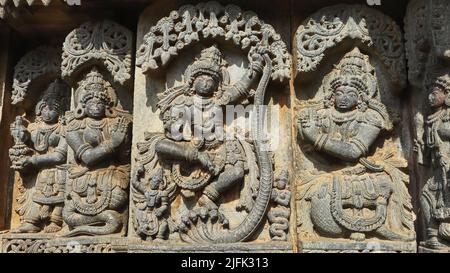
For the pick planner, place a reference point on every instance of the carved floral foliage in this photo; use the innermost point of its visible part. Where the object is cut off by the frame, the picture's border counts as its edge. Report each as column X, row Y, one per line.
column 105, row 42
column 41, row 62
column 328, row 27
column 427, row 30
column 210, row 20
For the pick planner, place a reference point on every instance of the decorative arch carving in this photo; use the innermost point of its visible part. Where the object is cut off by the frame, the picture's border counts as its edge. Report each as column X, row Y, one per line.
column 160, row 170
column 328, row 27
column 105, row 43
column 43, row 62
column 192, row 23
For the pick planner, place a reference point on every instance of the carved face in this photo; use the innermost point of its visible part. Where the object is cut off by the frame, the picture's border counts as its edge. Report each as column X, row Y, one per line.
column 345, row 98
column 205, row 85
column 49, row 113
column 436, row 97
column 95, row 108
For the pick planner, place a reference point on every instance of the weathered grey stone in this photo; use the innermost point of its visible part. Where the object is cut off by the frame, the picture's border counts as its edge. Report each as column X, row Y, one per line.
column 206, row 190
column 339, row 163
column 38, row 154
column 351, row 189
column 428, row 48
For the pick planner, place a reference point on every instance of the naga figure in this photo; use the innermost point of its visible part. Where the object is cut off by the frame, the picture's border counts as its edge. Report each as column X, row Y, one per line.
column 196, row 160
column 98, row 132
column 40, row 164
column 365, row 194
column 435, row 201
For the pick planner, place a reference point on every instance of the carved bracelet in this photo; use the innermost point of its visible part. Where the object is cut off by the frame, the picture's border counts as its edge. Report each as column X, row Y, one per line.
column 82, row 149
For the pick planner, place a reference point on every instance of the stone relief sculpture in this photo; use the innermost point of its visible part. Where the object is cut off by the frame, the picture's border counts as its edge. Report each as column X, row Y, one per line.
column 427, row 47
column 98, row 57
column 207, row 165
column 367, row 195
column 434, row 198
column 98, row 132
column 190, row 24
column 201, row 170
column 38, row 155
column 330, row 26
column 105, row 42
column 176, row 190
column 41, row 63
column 352, row 191
column 279, row 214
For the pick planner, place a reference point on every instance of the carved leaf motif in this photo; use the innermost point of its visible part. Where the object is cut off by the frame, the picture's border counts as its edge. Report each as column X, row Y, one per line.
column 107, row 42
column 426, row 32
column 330, row 26
column 210, row 20
column 41, row 62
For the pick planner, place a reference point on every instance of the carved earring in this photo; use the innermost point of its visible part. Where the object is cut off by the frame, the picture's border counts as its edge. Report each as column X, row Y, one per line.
column 79, row 112
column 447, row 100
column 109, row 112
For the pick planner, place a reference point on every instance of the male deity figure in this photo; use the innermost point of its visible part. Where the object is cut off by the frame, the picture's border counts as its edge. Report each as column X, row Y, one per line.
column 196, row 156
column 356, row 198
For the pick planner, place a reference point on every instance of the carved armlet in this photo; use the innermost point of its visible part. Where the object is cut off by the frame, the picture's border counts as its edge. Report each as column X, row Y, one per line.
column 81, row 150
column 321, row 141
column 360, row 146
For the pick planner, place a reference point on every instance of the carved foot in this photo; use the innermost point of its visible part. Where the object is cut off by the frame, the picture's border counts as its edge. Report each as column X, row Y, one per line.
column 204, row 215
column 27, row 228
column 205, row 202
column 357, row 236
column 159, row 240
column 391, row 235
column 434, row 243
column 52, row 228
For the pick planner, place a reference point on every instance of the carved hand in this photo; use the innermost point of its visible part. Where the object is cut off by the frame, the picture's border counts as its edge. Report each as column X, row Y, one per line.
column 119, row 132
column 160, row 211
column 206, row 162
column 307, row 125
column 27, row 163
column 419, row 148
column 257, row 59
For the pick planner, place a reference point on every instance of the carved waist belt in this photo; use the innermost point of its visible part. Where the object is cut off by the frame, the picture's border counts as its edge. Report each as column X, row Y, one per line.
column 354, row 222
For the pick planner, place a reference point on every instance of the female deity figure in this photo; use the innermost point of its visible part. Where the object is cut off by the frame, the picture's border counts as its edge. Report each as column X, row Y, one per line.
column 365, row 195
column 435, row 201
column 41, row 205
column 98, row 132
column 195, row 157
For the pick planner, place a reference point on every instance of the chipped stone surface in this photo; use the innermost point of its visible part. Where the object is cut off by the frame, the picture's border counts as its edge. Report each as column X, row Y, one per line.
column 350, row 155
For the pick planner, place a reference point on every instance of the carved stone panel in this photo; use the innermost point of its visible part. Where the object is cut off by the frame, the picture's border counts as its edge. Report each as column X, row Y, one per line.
column 352, row 189
column 225, row 126
column 428, row 47
column 98, row 133
column 207, row 188
column 40, row 150
column 40, row 64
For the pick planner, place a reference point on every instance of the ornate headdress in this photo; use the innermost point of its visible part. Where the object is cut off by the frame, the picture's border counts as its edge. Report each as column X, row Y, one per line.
column 53, row 95
column 94, row 86
column 210, row 62
column 443, row 82
column 356, row 71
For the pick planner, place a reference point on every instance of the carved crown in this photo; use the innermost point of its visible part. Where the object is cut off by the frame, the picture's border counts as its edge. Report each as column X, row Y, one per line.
column 54, row 95
column 94, row 85
column 210, row 62
column 355, row 70
column 444, row 83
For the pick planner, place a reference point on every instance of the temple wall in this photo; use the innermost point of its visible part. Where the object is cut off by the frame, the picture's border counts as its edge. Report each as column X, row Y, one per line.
column 340, row 108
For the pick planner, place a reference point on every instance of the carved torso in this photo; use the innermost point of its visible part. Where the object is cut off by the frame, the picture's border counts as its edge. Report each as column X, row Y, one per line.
column 45, row 137
column 50, row 180
column 438, row 136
